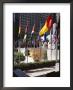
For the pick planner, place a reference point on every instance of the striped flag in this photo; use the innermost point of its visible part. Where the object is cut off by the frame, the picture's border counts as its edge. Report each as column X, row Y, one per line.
column 47, row 26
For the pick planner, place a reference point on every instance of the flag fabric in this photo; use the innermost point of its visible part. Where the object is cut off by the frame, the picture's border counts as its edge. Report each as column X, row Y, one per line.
column 32, row 32
column 19, row 26
column 47, row 26
column 25, row 37
column 45, row 36
column 26, row 29
column 33, row 29
column 54, row 36
column 54, row 28
column 54, row 39
column 42, row 38
column 48, row 37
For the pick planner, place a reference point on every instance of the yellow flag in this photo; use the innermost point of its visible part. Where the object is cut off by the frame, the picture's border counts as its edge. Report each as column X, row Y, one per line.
column 47, row 26
column 43, row 30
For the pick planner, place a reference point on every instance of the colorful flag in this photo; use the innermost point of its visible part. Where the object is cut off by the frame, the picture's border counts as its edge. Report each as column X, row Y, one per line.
column 47, row 26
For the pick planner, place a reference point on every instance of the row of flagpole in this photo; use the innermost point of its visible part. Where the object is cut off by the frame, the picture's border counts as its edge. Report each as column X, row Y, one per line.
column 33, row 29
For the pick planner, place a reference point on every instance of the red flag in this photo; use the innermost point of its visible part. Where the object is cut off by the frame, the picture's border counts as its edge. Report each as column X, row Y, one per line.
column 49, row 22
column 47, row 26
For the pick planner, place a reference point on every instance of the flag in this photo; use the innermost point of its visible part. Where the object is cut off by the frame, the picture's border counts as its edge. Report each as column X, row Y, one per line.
column 26, row 29
column 19, row 26
column 54, row 36
column 33, row 29
column 54, row 33
column 43, row 38
column 25, row 37
column 47, row 26
column 48, row 37
column 54, row 28
column 54, row 39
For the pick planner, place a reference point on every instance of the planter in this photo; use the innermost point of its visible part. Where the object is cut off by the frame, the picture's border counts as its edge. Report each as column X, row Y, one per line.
column 29, row 66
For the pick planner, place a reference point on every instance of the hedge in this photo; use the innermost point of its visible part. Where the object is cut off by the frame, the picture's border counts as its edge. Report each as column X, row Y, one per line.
column 28, row 66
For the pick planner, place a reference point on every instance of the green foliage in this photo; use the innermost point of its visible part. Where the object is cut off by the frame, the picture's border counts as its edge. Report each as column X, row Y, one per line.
column 28, row 66
column 18, row 56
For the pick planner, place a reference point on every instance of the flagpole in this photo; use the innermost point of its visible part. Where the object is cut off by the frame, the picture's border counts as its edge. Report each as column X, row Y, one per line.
column 27, row 51
column 34, row 45
column 34, row 35
column 19, row 49
column 40, row 40
column 34, row 38
column 56, row 46
column 57, row 21
column 27, row 45
column 56, row 41
column 19, row 34
column 56, row 49
column 51, row 43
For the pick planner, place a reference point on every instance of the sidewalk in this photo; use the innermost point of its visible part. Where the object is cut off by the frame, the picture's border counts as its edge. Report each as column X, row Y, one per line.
column 42, row 71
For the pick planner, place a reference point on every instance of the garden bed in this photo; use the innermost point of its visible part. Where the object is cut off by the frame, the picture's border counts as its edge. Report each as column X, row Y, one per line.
column 29, row 66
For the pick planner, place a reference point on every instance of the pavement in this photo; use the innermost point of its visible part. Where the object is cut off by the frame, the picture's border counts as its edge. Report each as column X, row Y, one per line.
column 42, row 71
